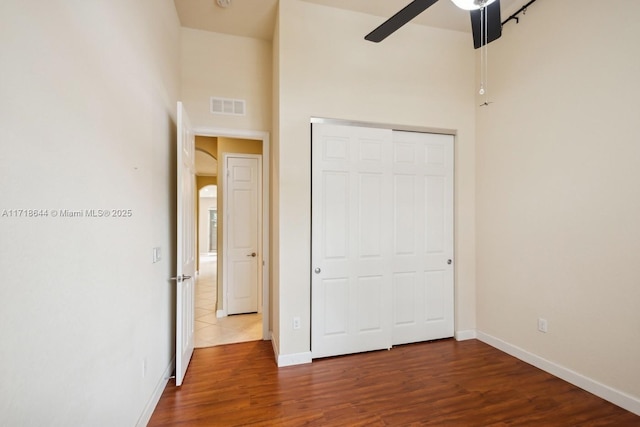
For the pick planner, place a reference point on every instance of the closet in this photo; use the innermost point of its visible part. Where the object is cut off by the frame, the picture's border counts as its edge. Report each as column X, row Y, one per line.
column 382, row 238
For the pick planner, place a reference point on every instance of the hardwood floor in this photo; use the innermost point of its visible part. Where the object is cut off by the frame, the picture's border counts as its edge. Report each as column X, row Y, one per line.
column 439, row 383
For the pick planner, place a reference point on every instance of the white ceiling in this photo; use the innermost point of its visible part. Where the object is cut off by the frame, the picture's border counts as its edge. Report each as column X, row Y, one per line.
column 255, row 18
column 247, row 18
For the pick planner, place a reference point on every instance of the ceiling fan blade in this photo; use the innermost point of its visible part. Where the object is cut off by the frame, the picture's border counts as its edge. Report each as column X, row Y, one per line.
column 493, row 22
column 410, row 11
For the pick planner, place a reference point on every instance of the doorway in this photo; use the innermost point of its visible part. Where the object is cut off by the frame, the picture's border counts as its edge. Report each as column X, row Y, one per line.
column 213, row 324
column 208, row 220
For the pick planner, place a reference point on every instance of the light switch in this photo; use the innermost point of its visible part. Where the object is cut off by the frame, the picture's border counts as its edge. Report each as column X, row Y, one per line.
column 156, row 254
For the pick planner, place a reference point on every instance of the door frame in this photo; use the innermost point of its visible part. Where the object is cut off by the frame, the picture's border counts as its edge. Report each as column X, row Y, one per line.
column 209, row 229
column 266, row 228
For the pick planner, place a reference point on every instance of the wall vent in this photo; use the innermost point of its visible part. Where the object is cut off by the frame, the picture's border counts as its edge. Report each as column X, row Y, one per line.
column 234, row 107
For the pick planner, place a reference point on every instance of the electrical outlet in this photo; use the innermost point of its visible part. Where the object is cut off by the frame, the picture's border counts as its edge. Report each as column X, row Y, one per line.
column 542, row 325
column 296, row 323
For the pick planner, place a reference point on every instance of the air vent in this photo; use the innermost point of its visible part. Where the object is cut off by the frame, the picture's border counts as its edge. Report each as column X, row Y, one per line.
column 234, row 107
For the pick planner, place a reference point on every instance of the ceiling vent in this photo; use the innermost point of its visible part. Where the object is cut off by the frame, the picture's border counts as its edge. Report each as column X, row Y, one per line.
column 234, row 107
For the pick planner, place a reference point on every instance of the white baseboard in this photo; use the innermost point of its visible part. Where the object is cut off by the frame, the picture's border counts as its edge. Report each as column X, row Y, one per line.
column 221, row 313
column 289, row 359
column 155, row 397
column 274, row 344
column 294, row 359
column 468, row 334
column 617, row 397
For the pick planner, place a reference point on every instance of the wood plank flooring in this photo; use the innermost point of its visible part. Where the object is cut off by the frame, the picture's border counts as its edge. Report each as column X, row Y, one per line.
column 439, row 383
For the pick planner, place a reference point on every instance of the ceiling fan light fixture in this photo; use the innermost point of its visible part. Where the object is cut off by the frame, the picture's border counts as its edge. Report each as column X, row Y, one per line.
column 472, row 4
column 224, row 3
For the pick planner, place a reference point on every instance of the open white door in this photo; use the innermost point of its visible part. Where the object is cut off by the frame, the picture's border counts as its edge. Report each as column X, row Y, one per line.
column 186, row 259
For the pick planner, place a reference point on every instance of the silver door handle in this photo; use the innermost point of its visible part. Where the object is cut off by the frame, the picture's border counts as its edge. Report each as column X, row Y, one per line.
column 180, row 278
column 252, row 254
column 317, row 270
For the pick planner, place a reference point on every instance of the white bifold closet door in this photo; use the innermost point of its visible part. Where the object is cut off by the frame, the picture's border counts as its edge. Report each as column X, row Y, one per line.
column 382, row 238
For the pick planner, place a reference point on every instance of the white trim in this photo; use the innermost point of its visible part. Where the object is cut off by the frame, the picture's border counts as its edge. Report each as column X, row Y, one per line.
column 617, row 397
column 468, row 334
column 232, row 133
column 155, row 397
column 221, row 313
column 283, row 360
column 421, row 129
column 266, row 201
column 274, row 345
column 294, row 359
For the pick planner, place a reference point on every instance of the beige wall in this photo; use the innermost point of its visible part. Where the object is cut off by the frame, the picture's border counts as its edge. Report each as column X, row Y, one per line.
column 420, row 76
column 88, row 95
column 203, row 181
column 209, row 144
column 226, row 66
column 557, row 189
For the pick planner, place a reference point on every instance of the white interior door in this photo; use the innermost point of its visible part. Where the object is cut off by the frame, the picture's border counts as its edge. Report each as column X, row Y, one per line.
column 422, row 260
column 243, row 225
column 351, row 235
column 186, row 259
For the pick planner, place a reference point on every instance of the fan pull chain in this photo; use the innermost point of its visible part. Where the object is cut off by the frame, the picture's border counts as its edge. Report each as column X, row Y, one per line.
column 484, row 56
column 483, row 51
column 486, row 50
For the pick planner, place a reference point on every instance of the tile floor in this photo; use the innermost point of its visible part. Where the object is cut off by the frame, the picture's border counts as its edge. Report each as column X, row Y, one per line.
column 209, row 330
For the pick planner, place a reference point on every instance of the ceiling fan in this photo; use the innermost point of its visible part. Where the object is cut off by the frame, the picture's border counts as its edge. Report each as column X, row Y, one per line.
column 485, row 20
